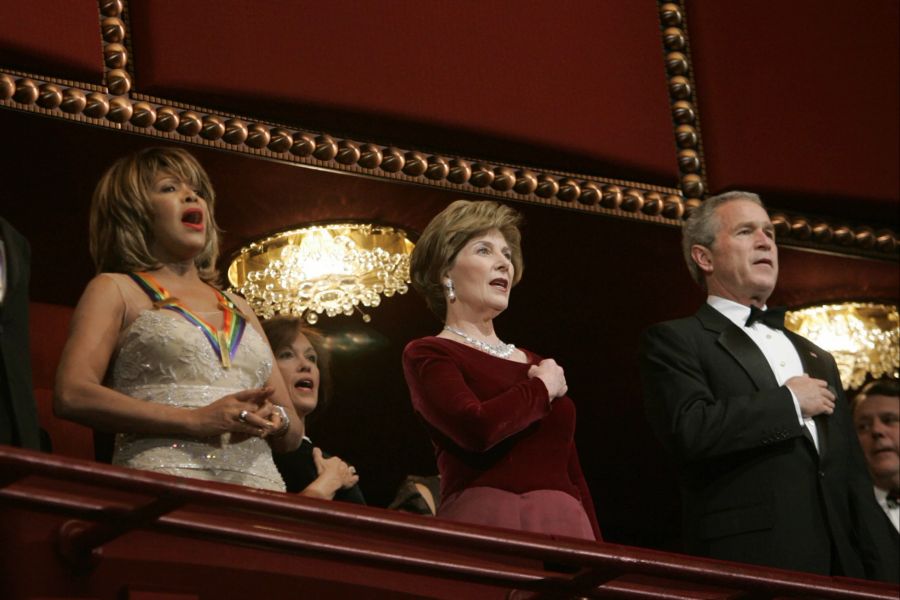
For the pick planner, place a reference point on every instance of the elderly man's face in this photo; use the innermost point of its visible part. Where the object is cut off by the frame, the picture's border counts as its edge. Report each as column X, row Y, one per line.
column 877, row 420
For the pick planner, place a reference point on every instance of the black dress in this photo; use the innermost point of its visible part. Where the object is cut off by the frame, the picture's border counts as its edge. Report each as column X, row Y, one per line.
column 298, row 469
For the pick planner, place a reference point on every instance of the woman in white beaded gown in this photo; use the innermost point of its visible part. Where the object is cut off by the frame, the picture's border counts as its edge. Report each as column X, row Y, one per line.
column 179, row 370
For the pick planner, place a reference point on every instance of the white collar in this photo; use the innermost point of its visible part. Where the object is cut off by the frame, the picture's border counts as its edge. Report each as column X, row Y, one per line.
column 880, row 494
column 735, row 312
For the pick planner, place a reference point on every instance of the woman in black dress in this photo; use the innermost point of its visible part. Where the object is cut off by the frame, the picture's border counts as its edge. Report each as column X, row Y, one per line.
column 302, row 358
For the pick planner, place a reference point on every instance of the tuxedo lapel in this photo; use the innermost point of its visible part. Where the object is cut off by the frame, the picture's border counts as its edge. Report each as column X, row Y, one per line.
column 822, row 424
column 745, row 351
column 815, row 366
column 739, row 345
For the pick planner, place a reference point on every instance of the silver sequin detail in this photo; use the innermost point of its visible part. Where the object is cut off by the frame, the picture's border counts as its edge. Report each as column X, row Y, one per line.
column 166, row 360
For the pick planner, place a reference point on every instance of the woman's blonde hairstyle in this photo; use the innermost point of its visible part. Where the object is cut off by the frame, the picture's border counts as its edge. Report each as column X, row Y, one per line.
column 446, row 235
column 121, row 213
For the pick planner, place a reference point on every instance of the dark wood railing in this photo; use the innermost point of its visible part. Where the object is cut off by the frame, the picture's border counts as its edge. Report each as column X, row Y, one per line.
column 71, row 528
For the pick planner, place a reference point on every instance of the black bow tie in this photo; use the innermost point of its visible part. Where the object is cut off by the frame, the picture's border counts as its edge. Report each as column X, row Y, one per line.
column 773, row 317
column 893, row 499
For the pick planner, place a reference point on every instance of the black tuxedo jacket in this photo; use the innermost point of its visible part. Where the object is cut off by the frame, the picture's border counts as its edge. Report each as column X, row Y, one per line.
column 754, row 488
column 18, row 413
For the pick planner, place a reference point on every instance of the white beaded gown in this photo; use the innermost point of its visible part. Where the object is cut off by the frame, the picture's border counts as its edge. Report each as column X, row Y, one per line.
column 165, row 359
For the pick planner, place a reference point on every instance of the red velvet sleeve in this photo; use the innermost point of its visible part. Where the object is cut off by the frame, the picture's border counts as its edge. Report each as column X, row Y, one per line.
column 577, row 477
column 442, row 397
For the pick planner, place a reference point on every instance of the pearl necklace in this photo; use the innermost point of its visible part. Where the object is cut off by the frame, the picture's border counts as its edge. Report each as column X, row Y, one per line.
column 500, row 350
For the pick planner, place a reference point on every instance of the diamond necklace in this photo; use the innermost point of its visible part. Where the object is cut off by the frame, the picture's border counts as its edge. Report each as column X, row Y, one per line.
column 500, row 350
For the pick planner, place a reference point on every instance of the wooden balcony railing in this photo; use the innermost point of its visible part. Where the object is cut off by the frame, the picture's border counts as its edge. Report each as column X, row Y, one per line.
column 78, row 529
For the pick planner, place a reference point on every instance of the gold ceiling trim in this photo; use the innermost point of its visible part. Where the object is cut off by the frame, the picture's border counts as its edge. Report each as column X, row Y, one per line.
column 683, row 103
column 116, row 41
column 819, row 234
column 158, row 117
column 117, row 106
column 804, row 231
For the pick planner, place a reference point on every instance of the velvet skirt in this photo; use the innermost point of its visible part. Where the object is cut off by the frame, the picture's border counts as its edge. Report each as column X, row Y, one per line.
column 550, row 512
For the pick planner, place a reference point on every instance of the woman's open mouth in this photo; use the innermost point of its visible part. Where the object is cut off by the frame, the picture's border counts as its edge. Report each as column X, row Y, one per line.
column 303, row 384
column 193, row 218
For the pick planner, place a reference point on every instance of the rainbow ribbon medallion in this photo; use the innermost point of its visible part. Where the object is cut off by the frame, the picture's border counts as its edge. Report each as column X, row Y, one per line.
column 224, row 341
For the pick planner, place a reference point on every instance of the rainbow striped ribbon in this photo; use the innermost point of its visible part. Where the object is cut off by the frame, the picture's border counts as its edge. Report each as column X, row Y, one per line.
column 224, row 341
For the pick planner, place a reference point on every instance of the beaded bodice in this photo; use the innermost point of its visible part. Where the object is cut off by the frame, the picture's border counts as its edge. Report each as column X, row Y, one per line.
column 164, row 359
column 161, row 348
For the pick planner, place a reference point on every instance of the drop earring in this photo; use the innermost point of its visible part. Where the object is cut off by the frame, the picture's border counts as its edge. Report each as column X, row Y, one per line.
column 451, row 291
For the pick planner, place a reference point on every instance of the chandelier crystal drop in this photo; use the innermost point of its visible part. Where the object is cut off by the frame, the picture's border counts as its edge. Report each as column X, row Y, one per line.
column 863, row 337
column 330, row 269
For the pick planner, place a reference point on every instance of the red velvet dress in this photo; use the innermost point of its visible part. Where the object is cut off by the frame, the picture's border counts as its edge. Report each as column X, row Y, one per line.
column 506, row 455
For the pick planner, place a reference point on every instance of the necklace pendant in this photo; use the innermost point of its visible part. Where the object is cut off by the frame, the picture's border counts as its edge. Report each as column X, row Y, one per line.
column 164, row 302
column 224, row 350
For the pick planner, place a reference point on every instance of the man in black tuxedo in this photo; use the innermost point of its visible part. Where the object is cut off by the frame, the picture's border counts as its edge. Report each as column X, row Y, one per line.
column 876, row 413
column 771, row 471
column 18, row 413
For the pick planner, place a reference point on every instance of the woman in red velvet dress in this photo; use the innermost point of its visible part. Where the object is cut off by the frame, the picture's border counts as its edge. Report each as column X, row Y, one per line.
column 501, row 423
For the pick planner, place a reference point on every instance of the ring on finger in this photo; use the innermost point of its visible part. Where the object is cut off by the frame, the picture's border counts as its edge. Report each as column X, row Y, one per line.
column 243, row 416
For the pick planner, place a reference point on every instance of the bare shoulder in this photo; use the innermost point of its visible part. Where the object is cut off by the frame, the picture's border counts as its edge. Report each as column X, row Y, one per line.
column 102, row 306
column 242, row 305
column 105, row 290
column 240, row 302
column 244, row 308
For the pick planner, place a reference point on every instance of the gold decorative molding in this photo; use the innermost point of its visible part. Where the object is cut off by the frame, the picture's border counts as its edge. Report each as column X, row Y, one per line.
column 805, row 231
column 116, row 40
column 117, row 106
column 683, row 102
column 158, row 117
column 815, row 233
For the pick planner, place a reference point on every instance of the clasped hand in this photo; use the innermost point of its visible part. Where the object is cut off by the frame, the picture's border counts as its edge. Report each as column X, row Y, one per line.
column 552, row 375
column 337, row 473
column 813, row 395
column 333, row 474
column 247, row 412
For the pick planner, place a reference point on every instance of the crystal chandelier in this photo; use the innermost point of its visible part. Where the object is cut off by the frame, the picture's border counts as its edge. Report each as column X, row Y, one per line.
column 331, row 268
column 863, row 337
